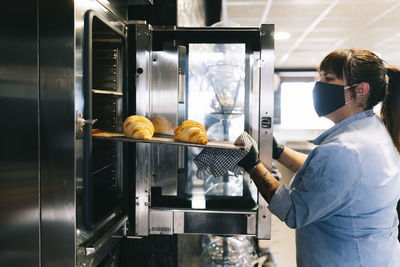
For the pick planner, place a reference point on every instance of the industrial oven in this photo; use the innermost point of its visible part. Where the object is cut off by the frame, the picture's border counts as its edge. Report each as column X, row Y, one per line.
column 221, row 77
column 93, row 68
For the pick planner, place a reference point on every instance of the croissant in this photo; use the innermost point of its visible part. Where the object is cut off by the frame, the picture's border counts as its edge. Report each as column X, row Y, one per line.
column 162, row 125
column 191, row 132
column 138, row 127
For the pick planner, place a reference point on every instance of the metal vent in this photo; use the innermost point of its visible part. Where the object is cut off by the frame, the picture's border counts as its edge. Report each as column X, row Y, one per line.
column 161, row 229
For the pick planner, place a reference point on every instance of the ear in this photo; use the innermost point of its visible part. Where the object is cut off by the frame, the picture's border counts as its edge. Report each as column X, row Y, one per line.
column 362, row 89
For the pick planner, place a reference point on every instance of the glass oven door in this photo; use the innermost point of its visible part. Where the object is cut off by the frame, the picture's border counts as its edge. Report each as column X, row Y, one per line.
column 102, row 196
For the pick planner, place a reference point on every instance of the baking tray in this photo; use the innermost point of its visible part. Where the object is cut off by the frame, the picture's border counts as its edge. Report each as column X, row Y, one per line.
column 164, row 139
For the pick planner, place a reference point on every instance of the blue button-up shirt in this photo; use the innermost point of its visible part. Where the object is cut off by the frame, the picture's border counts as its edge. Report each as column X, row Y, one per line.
column 342, row 201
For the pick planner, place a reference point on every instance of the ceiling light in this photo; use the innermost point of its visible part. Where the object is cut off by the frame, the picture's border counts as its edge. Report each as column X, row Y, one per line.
column 281, row 35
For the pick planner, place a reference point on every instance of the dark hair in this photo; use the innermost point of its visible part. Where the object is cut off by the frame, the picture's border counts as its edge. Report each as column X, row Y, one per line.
column 361, row 65
column 390, row 109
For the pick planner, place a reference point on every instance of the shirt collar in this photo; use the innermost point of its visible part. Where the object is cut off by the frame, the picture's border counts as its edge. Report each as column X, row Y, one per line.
column 336, row 127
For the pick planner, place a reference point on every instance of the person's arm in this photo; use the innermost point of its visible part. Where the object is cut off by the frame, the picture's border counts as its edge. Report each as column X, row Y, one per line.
column 324, row 189
column 292, row 159
column 265, row 182
column 289, row 158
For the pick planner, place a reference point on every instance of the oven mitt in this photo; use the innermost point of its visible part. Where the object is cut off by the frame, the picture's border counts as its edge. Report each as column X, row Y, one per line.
column 218, row 161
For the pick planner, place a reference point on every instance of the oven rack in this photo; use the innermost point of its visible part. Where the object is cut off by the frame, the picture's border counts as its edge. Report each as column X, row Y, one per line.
column 164, row 139
column 106, row 92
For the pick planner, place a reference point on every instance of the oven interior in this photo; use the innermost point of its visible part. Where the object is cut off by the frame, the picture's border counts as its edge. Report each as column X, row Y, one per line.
column 215, row 91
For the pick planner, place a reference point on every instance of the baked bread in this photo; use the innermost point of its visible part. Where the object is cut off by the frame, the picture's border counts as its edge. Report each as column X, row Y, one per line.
column 191, row 132
column 138, row 127
column 162, row 125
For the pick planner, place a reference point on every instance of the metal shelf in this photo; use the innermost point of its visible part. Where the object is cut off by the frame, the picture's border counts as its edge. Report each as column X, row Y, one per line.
column 164, row 139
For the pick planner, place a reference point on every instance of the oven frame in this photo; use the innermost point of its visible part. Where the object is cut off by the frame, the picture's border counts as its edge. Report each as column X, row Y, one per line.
column 167, row 221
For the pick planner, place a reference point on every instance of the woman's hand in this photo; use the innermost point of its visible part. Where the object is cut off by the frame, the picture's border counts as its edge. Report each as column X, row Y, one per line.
column 250, row 160
column 253, row 158
column 277, row 149
column 263, row 179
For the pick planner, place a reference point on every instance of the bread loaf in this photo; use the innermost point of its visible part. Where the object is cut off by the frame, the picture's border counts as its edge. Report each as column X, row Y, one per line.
column 138, row 127
column 191, row 132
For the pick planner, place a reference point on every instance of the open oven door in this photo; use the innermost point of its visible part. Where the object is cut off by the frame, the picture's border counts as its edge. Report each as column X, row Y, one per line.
column 103, row 185
column 102, row 192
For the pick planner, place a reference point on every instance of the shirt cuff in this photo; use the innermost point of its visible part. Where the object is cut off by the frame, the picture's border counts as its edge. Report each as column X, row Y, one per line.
column 281, row 202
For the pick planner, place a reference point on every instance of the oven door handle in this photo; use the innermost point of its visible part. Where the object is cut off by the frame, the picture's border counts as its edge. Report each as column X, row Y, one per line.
column 86, row 119
column 81, row 122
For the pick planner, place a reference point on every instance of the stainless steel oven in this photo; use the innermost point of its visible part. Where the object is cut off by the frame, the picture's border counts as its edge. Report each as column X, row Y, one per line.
column 89, row 68
column 221, row 77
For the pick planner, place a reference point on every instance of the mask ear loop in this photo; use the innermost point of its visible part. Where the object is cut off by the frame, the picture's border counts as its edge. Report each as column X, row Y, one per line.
column 348, row 87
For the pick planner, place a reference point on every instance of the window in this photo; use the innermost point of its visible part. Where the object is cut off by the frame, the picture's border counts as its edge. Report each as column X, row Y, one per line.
column 297, row 107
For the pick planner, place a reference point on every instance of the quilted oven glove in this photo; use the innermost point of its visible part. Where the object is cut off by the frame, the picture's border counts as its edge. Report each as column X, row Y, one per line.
column 217, row 161
column 250, row 160
column 277, row 149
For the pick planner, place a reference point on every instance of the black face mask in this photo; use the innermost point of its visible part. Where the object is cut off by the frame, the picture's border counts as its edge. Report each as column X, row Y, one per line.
column 328, row 97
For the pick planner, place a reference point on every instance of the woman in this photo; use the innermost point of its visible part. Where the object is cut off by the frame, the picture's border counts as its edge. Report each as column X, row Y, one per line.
column 342, row 200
